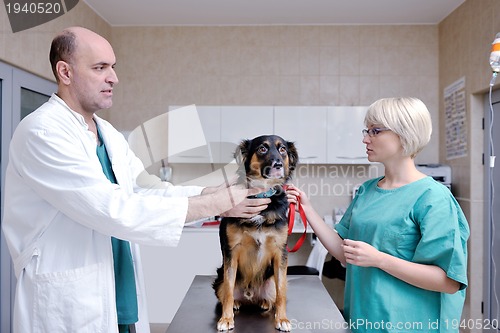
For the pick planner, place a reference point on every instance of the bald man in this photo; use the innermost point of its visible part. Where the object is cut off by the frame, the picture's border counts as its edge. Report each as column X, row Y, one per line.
column 74, row 211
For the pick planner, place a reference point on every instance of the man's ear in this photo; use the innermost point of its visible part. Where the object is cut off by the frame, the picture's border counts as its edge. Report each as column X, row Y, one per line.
column 64, row 72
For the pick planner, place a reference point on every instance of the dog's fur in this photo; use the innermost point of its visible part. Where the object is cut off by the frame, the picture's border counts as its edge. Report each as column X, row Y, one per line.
column 254, row 250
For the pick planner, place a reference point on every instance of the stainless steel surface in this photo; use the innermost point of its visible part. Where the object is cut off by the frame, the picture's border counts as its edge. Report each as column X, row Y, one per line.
column 309, row 309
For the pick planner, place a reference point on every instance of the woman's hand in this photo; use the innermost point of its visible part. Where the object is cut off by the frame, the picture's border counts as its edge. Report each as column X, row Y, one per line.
column 326, row 234
column 427, row 277
column 294, row 194
column 361, row 254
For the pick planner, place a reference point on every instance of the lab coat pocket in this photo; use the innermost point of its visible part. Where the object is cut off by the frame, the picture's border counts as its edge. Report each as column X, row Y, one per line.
column 401, row 245
column 71, row 301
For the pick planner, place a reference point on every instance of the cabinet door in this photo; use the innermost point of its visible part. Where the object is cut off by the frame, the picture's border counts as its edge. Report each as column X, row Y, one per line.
column 242, row 122
column 306, row 127
column 194, row 134
column 198, row 253
column 344, row 138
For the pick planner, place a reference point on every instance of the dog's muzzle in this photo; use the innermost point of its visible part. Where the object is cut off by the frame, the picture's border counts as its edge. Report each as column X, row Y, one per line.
column 276, row 170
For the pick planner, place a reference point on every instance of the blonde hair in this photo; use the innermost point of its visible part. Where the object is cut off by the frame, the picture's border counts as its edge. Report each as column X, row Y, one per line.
column 408, row 117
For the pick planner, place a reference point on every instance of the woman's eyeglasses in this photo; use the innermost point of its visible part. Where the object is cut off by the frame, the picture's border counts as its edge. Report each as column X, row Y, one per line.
column 374, row 131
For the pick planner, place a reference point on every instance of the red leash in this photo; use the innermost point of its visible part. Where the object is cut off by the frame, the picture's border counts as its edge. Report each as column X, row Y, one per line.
column 291, row 221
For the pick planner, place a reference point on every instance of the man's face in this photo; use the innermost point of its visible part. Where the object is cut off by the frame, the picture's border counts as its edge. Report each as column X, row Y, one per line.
column 93, row 74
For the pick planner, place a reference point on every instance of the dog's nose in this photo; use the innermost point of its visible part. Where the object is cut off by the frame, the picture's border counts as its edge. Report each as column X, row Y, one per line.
column 277, row 164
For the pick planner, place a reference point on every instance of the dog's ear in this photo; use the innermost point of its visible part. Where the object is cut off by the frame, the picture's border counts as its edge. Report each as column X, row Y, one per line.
column 293, row 155
column 241, row 153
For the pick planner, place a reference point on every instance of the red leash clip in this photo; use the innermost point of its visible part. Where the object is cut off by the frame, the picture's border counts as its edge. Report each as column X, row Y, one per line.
column 291, row 221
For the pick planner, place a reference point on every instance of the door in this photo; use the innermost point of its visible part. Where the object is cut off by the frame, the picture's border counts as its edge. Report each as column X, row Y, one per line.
column 20, row 94
column 492, row 209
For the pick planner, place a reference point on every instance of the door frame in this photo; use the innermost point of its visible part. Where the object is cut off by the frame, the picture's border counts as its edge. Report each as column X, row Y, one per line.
column 13, row 80
column 488, row 289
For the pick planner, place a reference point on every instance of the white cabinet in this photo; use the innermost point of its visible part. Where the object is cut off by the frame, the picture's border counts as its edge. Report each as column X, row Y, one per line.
column 344, row 138
column 242, row 122
column 306, row 127
column 169, row 271
column 194, row 134
column 322, row 134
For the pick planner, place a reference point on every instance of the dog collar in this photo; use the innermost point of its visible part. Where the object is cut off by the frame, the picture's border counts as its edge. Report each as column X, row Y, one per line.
column 269, row 193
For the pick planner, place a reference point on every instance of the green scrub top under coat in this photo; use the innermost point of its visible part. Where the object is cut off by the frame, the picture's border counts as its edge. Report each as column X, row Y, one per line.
column 126, row 294
column 420, row 222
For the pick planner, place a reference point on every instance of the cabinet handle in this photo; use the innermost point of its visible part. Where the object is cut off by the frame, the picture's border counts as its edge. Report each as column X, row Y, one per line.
column 308, row 157
column 351, row 158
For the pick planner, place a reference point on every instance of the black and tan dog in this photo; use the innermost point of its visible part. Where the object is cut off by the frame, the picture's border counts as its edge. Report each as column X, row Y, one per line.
column 254, row 250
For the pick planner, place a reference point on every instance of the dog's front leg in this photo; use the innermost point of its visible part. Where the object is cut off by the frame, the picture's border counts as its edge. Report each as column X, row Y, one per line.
column 226, row 322
column 281, row 321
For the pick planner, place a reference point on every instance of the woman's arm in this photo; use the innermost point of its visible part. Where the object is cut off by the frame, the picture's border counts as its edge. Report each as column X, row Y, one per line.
column 328, row 237
column 427, row 277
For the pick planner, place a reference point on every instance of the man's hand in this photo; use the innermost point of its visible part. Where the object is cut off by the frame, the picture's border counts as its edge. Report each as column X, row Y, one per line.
column 243, row 206
column 231, row 201
column 248, row 208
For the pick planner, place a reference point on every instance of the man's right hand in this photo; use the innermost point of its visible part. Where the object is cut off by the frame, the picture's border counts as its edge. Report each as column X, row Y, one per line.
column 231, row 201
column 246, row 207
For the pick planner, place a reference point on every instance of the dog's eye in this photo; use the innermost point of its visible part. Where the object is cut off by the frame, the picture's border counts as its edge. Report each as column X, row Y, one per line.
column 263, row 149
column 282, row 150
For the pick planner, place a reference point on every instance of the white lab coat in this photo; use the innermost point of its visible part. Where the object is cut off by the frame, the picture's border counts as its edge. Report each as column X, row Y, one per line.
column 60, row 214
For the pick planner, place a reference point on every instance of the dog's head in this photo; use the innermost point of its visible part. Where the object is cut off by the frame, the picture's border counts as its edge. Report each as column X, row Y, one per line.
column 266, row 160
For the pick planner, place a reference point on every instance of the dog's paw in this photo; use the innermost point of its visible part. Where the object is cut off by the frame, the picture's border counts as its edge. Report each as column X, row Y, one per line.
column 236, row 306
column 265, row 305
column 225, row 324
column 283, row 324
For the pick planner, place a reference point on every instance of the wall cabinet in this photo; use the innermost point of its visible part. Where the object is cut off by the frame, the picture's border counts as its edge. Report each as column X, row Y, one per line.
column 322, row 134
column 344, row 138
column 306, row 127
column 212, row 133
column 238, row 123
column 194, row 134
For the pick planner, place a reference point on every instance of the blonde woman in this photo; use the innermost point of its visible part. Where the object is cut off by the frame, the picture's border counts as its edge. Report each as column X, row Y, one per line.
column 403, row 238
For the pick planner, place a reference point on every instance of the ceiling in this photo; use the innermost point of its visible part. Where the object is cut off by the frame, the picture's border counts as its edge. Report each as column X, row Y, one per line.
column 271, row 12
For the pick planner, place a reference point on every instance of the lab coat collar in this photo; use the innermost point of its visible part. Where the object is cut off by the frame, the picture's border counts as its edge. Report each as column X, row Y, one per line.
column 75, row 114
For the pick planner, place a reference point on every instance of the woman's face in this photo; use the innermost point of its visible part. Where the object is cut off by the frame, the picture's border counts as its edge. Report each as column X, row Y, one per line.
column 382, row 144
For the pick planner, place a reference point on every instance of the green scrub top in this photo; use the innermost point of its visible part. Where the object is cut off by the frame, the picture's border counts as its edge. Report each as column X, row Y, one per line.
column 420, row 222
column 126, row 294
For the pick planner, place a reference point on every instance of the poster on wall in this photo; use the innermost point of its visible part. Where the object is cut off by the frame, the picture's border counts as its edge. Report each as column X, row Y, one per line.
column 455, row 120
